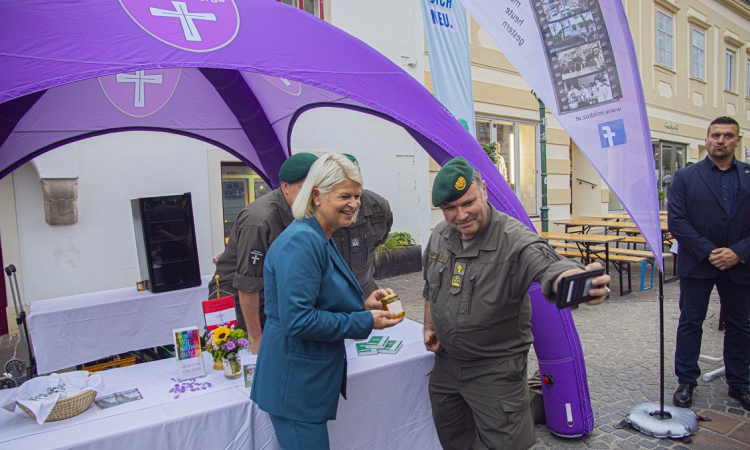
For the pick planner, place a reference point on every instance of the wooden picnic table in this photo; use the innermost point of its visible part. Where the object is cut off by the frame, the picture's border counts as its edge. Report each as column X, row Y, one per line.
column 586, row 225
column 615, row 217
column 584, row 242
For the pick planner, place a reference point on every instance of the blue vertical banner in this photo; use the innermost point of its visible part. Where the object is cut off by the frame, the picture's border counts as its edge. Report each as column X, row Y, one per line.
column 578, row 56
column 445, row 24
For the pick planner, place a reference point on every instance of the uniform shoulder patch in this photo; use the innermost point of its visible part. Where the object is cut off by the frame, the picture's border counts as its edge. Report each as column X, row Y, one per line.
column 256, row 257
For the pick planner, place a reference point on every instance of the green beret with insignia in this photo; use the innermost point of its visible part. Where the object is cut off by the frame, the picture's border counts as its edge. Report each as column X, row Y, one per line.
column 295, row 168
column 452, row 181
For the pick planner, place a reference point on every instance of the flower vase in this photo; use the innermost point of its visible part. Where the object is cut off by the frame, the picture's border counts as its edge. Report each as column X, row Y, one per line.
column 232, row 366
column 218, row 365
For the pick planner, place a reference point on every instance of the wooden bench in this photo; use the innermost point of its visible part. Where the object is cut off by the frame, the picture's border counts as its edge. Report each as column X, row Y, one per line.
column 569, row 253
column 561, row 244
column 622, row 264
column 638, row 240
column 620, row 261
column 648, row 259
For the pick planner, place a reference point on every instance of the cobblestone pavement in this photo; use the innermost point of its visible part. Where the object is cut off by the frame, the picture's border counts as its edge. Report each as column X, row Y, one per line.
column 620, row 340
column 10, row 347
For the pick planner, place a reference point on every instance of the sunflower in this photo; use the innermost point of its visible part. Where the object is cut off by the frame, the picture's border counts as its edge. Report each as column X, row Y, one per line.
column 220, row 334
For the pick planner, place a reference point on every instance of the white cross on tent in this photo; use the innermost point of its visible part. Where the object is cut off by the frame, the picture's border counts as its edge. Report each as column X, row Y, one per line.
column 186, row 19
column 139, row 80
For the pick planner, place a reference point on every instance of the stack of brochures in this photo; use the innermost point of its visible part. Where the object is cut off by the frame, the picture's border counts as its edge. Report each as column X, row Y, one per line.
column 379, row 345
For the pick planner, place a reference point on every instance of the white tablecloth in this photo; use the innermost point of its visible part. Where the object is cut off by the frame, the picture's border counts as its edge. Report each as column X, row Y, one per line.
column 388, row 408
column 74, row 330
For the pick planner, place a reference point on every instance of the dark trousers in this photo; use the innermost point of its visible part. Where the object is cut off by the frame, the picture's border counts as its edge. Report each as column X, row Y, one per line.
column 735, row 303
column 481, row 405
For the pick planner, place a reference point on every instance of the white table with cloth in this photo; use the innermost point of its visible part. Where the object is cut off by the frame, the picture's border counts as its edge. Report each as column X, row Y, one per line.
column 388, row 408
column 73, row 330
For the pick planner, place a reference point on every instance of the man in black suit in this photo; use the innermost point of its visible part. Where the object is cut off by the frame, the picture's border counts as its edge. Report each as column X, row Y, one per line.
column 709, row 215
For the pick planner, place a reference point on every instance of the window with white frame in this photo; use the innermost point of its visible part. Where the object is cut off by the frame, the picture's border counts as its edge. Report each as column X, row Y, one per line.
column 664, row 34
column 697, row 54
column 517, row 157
column 729, row 71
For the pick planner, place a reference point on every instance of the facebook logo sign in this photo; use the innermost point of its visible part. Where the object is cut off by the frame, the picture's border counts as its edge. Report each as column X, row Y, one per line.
column 612, row 133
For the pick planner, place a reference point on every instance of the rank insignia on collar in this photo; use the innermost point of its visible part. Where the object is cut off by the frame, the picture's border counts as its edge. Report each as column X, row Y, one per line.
column 458, row 269
column 456, row 281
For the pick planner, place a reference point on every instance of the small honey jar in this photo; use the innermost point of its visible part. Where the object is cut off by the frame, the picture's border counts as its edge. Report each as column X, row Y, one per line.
column 392, row 303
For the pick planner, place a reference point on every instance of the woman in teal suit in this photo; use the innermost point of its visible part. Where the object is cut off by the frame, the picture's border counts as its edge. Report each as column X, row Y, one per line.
column 313, row 303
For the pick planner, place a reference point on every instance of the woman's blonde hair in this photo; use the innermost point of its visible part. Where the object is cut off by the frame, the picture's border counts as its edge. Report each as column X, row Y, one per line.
column 328, row 171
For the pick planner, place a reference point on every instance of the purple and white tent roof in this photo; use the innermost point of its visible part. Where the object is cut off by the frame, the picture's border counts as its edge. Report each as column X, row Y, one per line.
column 236, row 74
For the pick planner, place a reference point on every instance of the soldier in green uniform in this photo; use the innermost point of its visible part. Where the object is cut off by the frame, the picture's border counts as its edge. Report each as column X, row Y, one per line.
column 478, row 267
column 240, row 267
column 357, row 242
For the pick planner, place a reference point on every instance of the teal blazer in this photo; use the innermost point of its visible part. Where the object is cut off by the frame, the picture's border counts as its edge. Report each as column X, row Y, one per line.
column 313, row 303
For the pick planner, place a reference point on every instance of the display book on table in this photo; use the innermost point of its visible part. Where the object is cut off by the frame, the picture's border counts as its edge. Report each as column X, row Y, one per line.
column 188, row 353
column 379, row 345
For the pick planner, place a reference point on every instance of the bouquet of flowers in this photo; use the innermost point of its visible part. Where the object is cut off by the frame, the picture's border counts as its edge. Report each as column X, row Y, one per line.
column 224, row 342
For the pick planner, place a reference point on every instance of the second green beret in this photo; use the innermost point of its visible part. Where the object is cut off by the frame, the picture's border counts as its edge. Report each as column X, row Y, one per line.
column 295, row 168
column 452, row 181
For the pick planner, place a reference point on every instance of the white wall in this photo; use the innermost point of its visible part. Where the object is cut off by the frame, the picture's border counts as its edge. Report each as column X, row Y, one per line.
column 587, row 201
column 98, row 252
column 392, row 27
column 393, row 164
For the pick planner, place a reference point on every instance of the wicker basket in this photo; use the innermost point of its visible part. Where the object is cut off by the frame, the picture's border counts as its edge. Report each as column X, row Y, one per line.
column 67, row 407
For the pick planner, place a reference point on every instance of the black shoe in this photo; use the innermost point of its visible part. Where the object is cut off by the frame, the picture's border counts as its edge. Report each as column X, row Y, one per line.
column 743, row 395
column 683, row 396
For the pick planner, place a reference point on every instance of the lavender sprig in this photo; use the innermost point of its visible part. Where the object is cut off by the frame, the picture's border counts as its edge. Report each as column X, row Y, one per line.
column 191, row 385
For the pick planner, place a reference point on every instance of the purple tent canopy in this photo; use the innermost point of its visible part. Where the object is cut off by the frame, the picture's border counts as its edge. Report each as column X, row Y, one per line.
column 236, row 75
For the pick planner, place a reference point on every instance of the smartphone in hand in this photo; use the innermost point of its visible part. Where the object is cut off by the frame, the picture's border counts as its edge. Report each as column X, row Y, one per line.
column 574, row 289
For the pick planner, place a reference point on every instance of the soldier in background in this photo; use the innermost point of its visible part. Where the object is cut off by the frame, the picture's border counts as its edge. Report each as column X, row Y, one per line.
column 357, row 242
column 240, row 267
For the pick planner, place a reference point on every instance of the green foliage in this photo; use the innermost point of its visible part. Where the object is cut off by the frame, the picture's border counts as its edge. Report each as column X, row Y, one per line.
column 491, row 150
column 397, row 239
column 662, row 197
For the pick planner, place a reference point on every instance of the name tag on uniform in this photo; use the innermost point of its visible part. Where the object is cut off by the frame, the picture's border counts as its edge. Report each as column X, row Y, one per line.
column 443, row 258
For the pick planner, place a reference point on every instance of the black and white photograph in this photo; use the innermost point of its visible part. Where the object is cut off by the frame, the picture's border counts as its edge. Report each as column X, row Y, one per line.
column 588, row 90
column 561, row 9
column 580, row 61
column 577, row 30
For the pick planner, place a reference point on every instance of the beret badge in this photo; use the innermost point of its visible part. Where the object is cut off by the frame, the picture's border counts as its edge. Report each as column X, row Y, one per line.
column 460, row 184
